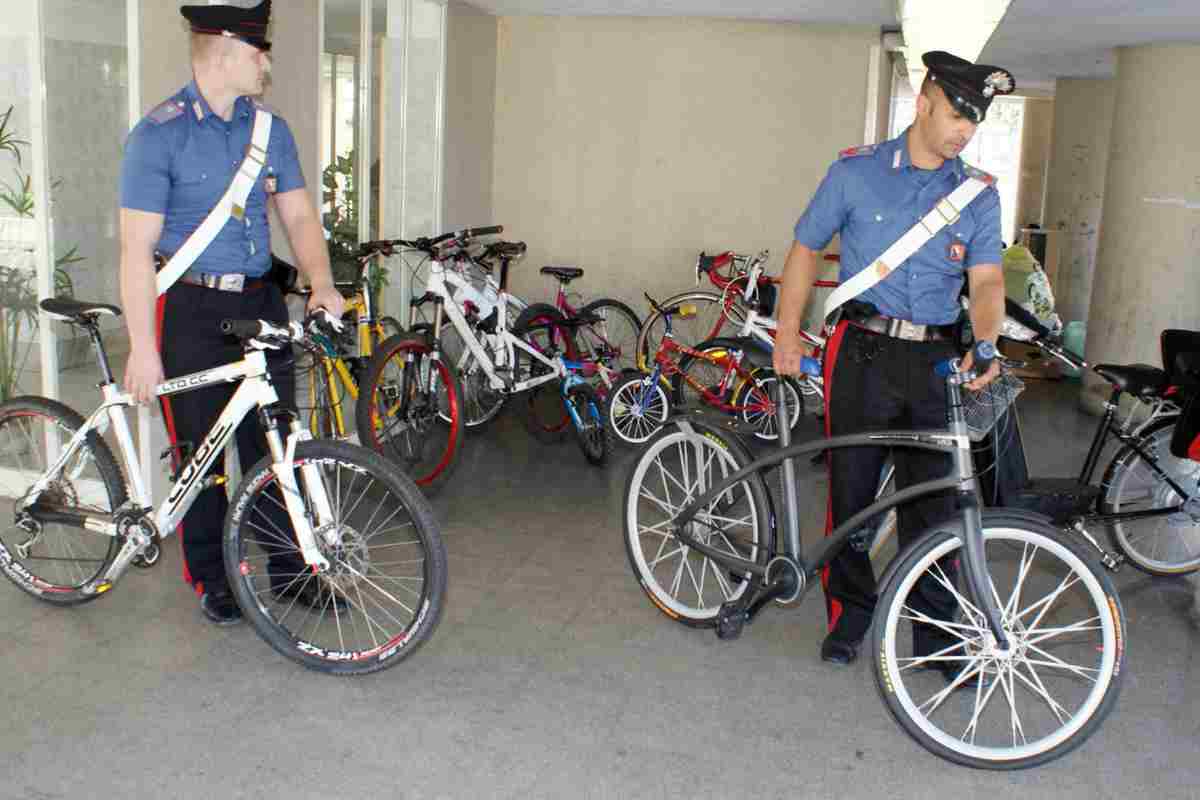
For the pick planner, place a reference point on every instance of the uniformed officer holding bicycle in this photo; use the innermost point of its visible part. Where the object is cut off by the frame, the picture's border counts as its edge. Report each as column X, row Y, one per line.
column 914, row 222
column 199, row 173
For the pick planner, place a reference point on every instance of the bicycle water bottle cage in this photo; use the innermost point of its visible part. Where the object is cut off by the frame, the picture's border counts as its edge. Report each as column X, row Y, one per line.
column 181, row 453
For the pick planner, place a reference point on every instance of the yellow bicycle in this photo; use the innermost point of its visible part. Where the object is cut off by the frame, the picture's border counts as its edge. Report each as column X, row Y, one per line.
column 337, row 367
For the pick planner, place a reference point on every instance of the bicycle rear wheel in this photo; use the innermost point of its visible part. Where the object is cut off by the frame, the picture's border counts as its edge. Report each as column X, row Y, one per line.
column 52, row 562
column 410, row 410
column 542, row 410
column 1166, row 545
column 709, row 315
column 950, row 687
column 674, row 469
column 383, row 593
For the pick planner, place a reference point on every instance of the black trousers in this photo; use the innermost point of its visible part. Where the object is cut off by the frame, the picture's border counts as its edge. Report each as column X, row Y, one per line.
column 875, row 382
column 190, row 340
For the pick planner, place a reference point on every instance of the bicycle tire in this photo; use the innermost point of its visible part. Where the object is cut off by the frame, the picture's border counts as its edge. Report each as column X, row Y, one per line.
column 542, row 411
column 356, row 562
column 1118, row 477
column 55, row 546
column 592, row 435
column 613, row 340
column 398, row 402
column 902, row 680
column 751, row 540
column 481, row 403
column 712, row 317
column 636, row 410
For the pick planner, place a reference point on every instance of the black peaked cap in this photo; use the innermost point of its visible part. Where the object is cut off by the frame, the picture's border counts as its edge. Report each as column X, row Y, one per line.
column 247, row 24
column 969, row 87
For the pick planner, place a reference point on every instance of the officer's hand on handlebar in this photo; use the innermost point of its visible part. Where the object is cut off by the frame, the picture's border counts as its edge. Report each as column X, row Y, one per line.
column 789, row 350
column 992, row 372
column 328, row 298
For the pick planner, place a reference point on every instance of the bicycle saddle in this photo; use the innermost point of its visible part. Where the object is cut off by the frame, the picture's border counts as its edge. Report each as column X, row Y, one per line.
column 77, row 310
column 1140, row 380
column 564, row 274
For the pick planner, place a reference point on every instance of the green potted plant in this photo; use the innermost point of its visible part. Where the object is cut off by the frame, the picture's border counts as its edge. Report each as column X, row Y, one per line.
column 19, row 317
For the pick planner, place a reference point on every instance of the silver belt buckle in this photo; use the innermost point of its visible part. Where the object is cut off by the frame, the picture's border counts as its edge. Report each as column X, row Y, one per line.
column 231, row 283
column 903, row 329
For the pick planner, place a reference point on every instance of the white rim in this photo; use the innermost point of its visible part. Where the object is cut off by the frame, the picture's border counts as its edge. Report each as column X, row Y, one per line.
column 671, row 493
column 1151, row 534
column 1030, row 681
column 628, row 425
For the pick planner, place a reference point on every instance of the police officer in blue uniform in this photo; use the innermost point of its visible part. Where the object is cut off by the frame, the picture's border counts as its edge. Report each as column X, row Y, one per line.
column 878, row 371
column 179, row 161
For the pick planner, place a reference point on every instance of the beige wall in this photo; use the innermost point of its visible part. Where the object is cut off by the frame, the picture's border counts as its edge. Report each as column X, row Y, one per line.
column 1146, row 266
column 626, row 146
column 1037, row 132
column 1083, row 114
column 470, row 114
column 295, row 75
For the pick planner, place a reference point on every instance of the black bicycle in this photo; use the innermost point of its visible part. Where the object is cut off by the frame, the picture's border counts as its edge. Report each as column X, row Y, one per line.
column 1147, row 497
column 1034, row 652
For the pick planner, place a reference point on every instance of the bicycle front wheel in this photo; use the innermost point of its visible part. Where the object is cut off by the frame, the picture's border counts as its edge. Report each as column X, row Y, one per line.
column 53, row 562
column 1163, row 545
column 588, row 420
column 675, row 468
column 410, row 410
column 637, row 408
column 383, row 592
column 952, row 689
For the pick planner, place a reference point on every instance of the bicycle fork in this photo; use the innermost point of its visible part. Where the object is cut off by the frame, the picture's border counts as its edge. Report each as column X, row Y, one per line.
column 283, row 465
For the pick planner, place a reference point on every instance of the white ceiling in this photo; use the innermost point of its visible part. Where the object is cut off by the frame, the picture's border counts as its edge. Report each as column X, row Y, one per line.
column 1041, row 39
column 1038, row 40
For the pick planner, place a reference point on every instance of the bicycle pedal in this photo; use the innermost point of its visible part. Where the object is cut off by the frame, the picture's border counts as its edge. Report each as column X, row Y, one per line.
column 148, row 557
column 731, row 621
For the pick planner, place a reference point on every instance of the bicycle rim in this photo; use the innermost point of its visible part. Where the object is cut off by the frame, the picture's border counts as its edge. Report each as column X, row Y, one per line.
column 683, row 584
column 381, row 596
column 1166, row 545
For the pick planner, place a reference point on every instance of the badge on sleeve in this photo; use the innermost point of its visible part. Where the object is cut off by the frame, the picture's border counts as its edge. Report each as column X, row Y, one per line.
column 957, row 251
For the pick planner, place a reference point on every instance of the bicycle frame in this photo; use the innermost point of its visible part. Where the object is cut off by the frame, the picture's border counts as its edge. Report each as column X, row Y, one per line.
column 953, row 441
column 666, row 368
column 441, row 284
column 254, row 391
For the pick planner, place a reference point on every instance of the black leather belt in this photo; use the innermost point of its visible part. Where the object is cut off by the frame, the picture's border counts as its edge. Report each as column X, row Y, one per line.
column 864, row 315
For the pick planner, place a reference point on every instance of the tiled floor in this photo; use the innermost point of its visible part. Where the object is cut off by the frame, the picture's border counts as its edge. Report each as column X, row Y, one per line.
column 550, row 676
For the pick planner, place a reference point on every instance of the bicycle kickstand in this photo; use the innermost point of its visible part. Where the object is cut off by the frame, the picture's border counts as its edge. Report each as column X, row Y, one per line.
column 1112, row 561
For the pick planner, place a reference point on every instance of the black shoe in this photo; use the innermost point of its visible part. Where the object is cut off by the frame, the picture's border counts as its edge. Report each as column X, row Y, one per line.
column 311, row 593
column 220, row 608
column 839, row 651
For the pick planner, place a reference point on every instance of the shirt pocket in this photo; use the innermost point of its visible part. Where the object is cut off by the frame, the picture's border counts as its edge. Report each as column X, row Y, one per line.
column 195, row 188
column 877, row 227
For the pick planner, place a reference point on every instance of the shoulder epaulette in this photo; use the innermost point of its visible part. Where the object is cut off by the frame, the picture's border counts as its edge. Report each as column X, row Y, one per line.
column 863, row 150
column 165, row 112
column 978, row 174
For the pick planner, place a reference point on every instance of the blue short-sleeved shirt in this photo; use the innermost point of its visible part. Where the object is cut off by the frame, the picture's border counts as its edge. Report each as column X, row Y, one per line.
column 872, row 196
column 179, row 161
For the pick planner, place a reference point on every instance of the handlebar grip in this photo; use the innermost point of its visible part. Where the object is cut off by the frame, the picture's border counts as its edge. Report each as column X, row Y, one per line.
column 985, row 354
column 490, row 230
column 944, row 369
column 241, row 328
column 1019, row 314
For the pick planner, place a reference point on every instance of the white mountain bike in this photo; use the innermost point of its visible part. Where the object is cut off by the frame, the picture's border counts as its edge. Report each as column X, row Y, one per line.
column 315, row 518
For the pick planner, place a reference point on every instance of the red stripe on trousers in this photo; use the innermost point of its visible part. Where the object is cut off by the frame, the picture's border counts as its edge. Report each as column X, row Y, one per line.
column 832, row 606
column 169, row 419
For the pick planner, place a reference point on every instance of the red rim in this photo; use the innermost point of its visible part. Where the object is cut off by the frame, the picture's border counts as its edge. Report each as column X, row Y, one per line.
column 455, row 426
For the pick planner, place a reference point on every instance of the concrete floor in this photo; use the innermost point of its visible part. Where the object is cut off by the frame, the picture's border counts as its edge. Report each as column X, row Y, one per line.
column 551, row 675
